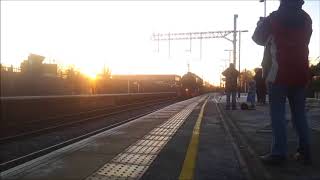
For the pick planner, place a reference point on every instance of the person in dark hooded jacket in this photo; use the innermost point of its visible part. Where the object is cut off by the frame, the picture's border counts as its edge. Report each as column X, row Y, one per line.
column 231, row 75
column 287, row 33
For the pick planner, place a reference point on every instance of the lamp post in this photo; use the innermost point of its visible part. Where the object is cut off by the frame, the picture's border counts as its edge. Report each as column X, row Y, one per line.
column 235, row 38
column 265, row 6
column 222, row 68
column 229, row 50
column 239, row 60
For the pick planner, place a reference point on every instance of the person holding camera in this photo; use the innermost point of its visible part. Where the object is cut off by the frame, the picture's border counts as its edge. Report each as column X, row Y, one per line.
column 286, row 32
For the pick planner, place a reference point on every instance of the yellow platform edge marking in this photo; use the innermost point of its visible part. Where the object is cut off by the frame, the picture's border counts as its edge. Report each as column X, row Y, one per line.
column 187, row 172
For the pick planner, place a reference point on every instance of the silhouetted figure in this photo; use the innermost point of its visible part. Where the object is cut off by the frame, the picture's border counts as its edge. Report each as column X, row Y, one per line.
column 231, row 75
column 288, row 30
column 261, row 89
column 251, row 98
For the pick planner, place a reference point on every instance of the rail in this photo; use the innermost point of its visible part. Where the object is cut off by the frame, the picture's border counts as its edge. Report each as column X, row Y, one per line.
column 35, row 108
column 80, row 96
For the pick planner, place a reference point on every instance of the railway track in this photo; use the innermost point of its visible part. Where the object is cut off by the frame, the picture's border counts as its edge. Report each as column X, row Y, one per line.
column 45, row 139
column 41, row 126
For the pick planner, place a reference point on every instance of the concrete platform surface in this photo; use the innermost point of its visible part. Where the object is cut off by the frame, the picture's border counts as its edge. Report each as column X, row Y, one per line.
column 255, row 126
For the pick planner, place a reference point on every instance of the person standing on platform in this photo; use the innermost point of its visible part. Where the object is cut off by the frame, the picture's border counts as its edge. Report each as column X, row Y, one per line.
column 289, row 31
column 251, row 97
column 231, row 75
column 260, row 86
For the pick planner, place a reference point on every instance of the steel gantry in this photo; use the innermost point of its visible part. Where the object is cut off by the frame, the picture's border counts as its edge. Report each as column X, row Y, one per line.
column 194, row 35
column 189, row 36
column 201, row 35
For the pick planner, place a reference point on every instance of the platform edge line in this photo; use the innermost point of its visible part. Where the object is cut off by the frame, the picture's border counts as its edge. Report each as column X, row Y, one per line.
column 188, row 167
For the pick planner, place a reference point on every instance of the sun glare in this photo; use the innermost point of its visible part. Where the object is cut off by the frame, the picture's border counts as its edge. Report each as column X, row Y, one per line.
column 91, row 70
column 90, row 73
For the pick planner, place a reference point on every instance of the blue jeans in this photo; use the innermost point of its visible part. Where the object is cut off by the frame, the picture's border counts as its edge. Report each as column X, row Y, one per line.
column 233, row 95
column 251, row 98
column 296, row 97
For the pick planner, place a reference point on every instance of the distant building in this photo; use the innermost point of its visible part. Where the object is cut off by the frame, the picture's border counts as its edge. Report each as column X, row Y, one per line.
column 34, row 66
column 146, row 83
column 142, row 77
column 9, row 69
column 172, row 80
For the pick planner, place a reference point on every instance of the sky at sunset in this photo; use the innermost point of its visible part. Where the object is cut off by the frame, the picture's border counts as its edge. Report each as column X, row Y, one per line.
column 91, row 34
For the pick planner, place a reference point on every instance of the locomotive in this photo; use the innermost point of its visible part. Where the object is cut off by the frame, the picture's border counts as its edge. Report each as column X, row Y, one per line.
column 191, row 85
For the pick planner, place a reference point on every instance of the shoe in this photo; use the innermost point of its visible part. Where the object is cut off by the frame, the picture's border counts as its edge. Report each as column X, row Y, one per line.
column 273, row 159
column 302, row 158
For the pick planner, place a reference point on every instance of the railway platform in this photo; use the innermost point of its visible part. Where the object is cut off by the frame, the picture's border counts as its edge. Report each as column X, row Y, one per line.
column 192, row 139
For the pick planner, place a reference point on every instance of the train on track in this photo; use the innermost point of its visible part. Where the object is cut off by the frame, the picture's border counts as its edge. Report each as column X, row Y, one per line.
column 191, row 85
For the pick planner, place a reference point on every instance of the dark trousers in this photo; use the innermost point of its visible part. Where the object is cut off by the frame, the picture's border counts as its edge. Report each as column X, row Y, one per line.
column 233, row 96
column 261, row 96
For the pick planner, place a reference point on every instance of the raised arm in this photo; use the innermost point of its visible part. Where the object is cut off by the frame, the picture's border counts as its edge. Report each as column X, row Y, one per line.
column 262, row 31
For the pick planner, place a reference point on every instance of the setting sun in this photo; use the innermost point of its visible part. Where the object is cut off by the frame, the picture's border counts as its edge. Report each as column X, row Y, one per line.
column 92, row 75
column 91, row 71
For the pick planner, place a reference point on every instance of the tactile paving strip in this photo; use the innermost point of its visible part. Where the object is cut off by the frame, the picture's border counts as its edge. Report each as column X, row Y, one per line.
column 157, row 138
column 135, row 160
column 150, row 143
column 144, row 149
column 113, row 171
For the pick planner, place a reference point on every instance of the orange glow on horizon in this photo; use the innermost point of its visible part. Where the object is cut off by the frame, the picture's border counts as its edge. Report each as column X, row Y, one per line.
column 91, row 73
